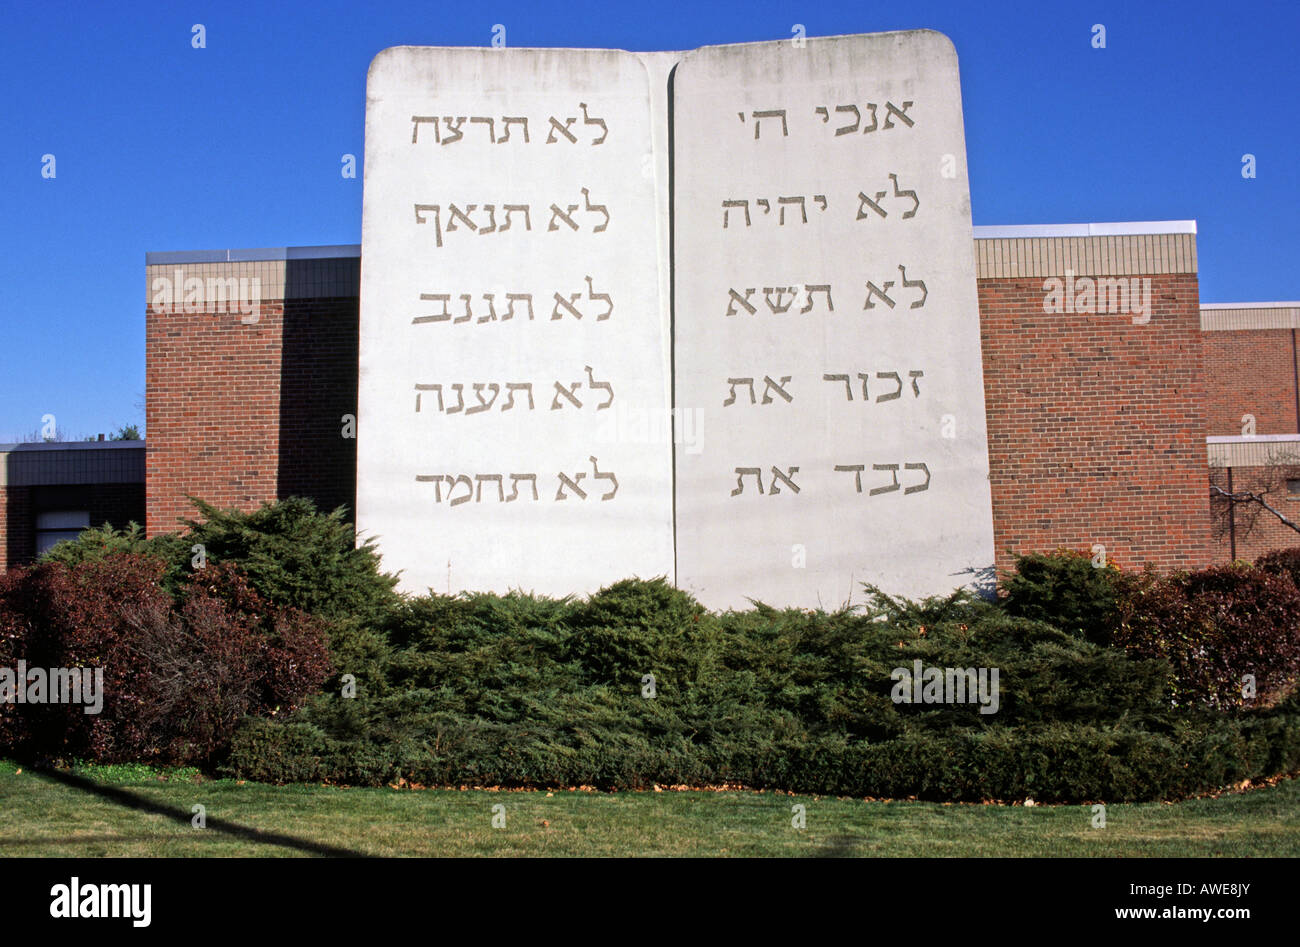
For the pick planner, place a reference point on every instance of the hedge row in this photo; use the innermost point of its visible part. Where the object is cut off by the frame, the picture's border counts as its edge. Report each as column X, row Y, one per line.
column 521, row 691
column 1110, row 685
column 1057, row 763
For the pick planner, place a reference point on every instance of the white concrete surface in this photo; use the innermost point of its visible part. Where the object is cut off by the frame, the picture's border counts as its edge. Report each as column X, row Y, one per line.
column 815, row 545
column 469, row 530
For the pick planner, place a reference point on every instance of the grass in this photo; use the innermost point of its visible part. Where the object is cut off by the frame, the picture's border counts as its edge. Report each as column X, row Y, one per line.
column 136, row 811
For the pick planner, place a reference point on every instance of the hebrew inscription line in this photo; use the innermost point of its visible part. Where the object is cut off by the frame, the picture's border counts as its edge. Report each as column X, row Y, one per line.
column 871, row 203
column 473, row 484
column 567, row 392
column 560, row 129
column 573, row 305
column 779, row 299
column 746, row 385
column 460, row 218
column 879, row 122
column 778, row 478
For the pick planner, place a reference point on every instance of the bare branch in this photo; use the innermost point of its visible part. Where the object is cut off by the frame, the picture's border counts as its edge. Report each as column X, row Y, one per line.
column 1246, row 496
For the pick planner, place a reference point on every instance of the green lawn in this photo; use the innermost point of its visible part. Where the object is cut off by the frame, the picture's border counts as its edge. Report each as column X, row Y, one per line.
column 130, row 812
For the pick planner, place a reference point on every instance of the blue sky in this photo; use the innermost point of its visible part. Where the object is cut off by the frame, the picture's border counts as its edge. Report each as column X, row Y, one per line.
column 160, row 146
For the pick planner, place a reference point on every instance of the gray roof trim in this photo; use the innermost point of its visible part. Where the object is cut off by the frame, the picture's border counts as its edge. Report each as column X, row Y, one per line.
column 336, row 252
column 73, row 445
column 1129, row 228
column 1278, row 305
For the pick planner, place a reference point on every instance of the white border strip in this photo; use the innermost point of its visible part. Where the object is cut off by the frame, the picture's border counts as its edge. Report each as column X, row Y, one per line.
column 1278, row 305
column 1131, row 228
column 1254, row 439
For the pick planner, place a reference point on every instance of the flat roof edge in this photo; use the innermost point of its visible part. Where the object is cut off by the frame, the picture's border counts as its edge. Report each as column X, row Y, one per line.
column 71, row 445
column 1277, row 305
column 1118, row 229
column 333, row 252
column 1253, row 439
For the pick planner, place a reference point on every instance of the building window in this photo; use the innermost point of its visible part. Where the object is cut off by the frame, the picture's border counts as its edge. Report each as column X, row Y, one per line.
column 1293, row 487
column 58, row 525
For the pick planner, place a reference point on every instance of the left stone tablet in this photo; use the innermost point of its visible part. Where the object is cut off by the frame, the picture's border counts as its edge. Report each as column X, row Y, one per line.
column 513, row 418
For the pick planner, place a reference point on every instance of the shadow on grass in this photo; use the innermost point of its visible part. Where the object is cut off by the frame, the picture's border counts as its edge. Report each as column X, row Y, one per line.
column 140, row 803
column 838, row 846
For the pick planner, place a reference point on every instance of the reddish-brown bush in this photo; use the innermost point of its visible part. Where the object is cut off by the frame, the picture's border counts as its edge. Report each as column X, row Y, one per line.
column 1215, row 627
column 1281, row 562
column 178, row 674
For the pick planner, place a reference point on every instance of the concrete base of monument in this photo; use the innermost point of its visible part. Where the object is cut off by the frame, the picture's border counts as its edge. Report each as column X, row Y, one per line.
column 795, row 588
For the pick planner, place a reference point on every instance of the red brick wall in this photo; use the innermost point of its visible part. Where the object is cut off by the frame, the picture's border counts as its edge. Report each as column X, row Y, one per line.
column 1097, row 426
column 242, row 414
column 1250, row 371
column 212, row 399
column 17, row 527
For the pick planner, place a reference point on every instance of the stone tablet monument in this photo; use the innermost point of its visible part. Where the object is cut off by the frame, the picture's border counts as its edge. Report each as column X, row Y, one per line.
column 523, row 377
column 827, row 324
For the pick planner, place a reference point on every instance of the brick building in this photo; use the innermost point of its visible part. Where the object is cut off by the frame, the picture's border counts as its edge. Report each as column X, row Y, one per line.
column 50, row 492
column 249, row 405
column 1253, row 393
column 1114, row 398
column 1096, row 418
